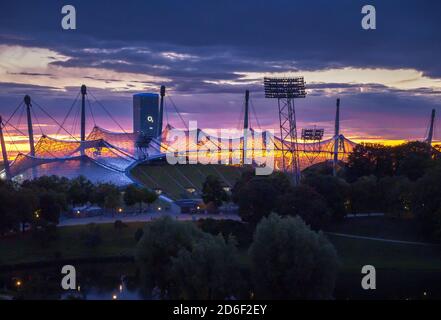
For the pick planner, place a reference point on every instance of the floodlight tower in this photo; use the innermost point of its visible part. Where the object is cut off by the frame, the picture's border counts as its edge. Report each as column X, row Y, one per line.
column 336, row 138
column 83, row 112
column 27, row 101
column 285, row 90
column 245, row 128
column 313, row 138
column 432, row 122
column 161, row 111
column 4, row 152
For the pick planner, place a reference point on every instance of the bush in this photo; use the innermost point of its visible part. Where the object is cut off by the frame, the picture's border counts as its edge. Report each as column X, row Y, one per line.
column 290, row 261
column 162, row 240
column 242, row 232
column 209, row 270
column 305, row 202
column 119, row 225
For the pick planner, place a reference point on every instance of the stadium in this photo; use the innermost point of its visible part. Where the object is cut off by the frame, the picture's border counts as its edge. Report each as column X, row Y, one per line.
column 140, row 156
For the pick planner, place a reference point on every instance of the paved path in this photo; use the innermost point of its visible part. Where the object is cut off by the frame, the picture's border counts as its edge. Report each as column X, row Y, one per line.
column 381, row 239
column 144, row 217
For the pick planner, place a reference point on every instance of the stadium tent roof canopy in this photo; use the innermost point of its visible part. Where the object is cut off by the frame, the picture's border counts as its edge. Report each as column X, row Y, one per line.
column 109, row 155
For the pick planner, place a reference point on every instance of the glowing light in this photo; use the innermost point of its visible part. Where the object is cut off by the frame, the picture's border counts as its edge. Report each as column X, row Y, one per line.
column 159, row 208
column 114, row 297
column 18, row 283
column 120, row 210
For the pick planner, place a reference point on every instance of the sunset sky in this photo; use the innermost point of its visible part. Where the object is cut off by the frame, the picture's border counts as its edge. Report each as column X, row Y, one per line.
column 208, row 53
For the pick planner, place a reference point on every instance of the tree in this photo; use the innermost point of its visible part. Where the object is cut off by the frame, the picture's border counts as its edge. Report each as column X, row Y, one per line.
column 365, row 196
column 213, row 192
column 49, row 183
column 395, row 195
column 148, row 196
column 334, row 190
column 26, row 202
column 133, row 196
column 51, row 204
column 305, row 202
column 107, row 195
column 9, row 221
column 370, row 159
column 426, row 202
column 414, row 159
column 80, row 190
column 290, row 261
column 161, row 241
column 209, row 270
column 256, row 199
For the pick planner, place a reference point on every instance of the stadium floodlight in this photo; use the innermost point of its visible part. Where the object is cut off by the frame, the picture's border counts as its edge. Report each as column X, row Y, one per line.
column 313, row 134
column 284, row 88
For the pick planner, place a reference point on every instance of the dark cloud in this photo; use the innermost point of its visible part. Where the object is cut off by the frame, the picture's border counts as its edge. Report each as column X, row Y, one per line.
column 201, row 46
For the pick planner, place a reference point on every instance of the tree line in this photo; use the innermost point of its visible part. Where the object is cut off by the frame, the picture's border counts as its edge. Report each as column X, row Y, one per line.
column 40, row 202
column 400, row 181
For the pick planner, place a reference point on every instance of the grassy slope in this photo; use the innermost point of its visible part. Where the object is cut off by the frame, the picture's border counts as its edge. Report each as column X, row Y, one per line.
column 174, row 180
column 353, row 253
column 70, row 244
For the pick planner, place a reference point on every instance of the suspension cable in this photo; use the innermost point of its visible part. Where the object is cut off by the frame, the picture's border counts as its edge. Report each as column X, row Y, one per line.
column 108, row 113
column 91, row 112
column 177, row 111
column 20, row 117
column 67, row 115
column 11, row 139
column 73, row 128
column 38, row 121
column 53, row 119
column 255, row 114
column 16, row 109
column 23, row 134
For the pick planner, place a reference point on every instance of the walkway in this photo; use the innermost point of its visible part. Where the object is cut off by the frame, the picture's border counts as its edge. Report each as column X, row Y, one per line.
column 144, row 217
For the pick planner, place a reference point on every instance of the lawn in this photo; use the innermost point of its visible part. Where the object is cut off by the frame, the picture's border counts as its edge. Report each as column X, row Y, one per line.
column 69, row 244
column 380, row 227
column 403, row 270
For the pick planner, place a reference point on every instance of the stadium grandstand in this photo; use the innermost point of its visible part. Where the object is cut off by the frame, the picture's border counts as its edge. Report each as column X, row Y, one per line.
column 140, row 156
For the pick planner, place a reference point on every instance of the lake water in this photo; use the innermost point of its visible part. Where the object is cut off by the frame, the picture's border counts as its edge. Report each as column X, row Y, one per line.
column 120, row 281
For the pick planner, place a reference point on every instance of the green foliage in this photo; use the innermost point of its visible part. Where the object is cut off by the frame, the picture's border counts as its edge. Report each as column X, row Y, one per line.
column 370, row 159
column 161, row 241
column 334, row 190
column 242, row 232
column 426, row 202
column 290, row 261
column 256, row 196
column 107, row 195
column 364, row 195
column 134, row 195
column 305, row 202
column 209, row 270
column 80, row 191
column 213, row 192
column 395, row 194
column 9, row 221
column 51, row 204
column 410, row 159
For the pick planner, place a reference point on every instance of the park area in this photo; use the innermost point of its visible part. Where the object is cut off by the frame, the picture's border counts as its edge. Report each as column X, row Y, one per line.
column 406, row 269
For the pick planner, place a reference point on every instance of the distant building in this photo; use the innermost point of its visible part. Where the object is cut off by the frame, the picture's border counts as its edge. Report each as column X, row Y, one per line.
column 146, row 114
